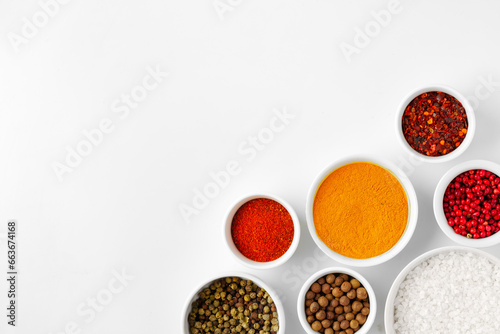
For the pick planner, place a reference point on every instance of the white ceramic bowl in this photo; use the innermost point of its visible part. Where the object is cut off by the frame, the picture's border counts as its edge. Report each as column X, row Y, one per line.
column 334, row 270
column 438, row 203
column 391, row 297
column 194, row 296
column 470, row 119
column 243, row 259
column 412, row 212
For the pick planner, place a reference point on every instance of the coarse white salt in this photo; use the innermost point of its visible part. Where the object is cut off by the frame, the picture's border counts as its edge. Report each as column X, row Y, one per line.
column 452, row 292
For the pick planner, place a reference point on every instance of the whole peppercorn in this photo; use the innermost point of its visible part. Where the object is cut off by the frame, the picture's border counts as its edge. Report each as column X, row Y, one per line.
column 326, row 323
column 326, row 288
column 351, row 294
column 349, row 316
column 354, row 324
column 339, row 309
column 336, row 292
column 336, row 326
column 357, row 306
column 321, row 315
column 349, row 331
column 344, row 301
column 338, row 281
column 310, row 294
column 316, row 326
column 361, row 318
column 346, row 286
column 344, row 324
column 361, row 293
column 365, row 311
column 315, row 287
column 314, row 307
column 311, row 319
column 330, row 278
column 334, row 302
column 323, row 301
column 321, row 280
column 355, row 283
column 329, row 331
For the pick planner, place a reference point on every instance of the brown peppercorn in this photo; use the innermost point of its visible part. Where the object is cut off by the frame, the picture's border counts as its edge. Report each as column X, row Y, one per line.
column 323, row 302
column 329, row 296
column 361, row 293
column 354, row 324
column 336, row 326
column 316, row 326
column 344, row 301
column 321, row 315
column 326, row 323
column 311, row 319
column 365, row 310
column 356, row 306
column 310, row 295
column 329, row 331
column 348, row 308
column 336, row 292
column 314, row 307
column 309, row 302
column 330, row 315
column 315, row 287
column 338, row 281
column 330, row 308
column 326, row 288
column 355, row 283
column 339, row 309
column 344, row 276
column 334, row 302
column 321, row 280
column 330, row 278
column 349, row 316
column 344, row 324
column 308, row 312
column 361, row 318
column 349, row 331
column 351, row 294
column 341, row 317
column 346, row 286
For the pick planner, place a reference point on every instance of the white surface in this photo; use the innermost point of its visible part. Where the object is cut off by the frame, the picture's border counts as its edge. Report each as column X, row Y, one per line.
column 412, row 211
column 120, row 207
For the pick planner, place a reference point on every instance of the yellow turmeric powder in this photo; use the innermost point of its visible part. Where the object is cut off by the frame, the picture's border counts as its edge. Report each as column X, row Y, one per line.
column 360, row 210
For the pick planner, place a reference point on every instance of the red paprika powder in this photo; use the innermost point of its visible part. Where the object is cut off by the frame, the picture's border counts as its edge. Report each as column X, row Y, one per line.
column 262, row 230
column 434, row 123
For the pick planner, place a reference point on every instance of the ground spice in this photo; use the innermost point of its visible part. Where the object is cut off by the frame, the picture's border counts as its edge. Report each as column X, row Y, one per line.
column 262, row 230
column 434, row 123
column 360, row 210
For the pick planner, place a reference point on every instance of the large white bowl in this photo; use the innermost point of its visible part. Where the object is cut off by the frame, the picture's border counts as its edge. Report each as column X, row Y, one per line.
column 438, row 203
column 471, row 119
column 243, row 259
column 412, row 212
column 334, row 270
column 194, row 295
column 391, row 297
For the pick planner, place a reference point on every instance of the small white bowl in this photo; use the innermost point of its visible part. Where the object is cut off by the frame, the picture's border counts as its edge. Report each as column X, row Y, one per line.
column 194, row 295
column 412, row 211
column 438, row 203
column 391, row 297
column 334, row 270
column 243, row 259
column 471, row 119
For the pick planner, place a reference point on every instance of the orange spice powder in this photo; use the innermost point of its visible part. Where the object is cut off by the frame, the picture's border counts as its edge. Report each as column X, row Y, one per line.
column 360, row 210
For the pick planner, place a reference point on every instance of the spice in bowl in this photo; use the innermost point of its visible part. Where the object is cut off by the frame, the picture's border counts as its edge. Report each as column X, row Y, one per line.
column 336, row 303
column 262, row 230
column 233, row 305
column 360, row 210
column 434, row 123
column 471, row 205
column 451, row 292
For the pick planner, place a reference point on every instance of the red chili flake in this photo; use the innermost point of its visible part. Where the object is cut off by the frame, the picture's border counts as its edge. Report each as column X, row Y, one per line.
column 471, row 204
column 434, row 123
column 262, row 230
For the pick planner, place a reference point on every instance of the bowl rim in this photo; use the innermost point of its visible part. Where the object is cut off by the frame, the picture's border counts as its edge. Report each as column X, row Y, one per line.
column 236, row 253
column 258, row 281
column 438, row 202
column 371, row 293
column 471, row 119
column 412, row 210
column 391, row 296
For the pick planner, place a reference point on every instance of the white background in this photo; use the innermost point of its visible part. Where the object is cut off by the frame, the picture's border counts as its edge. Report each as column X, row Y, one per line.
column 119, row 208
